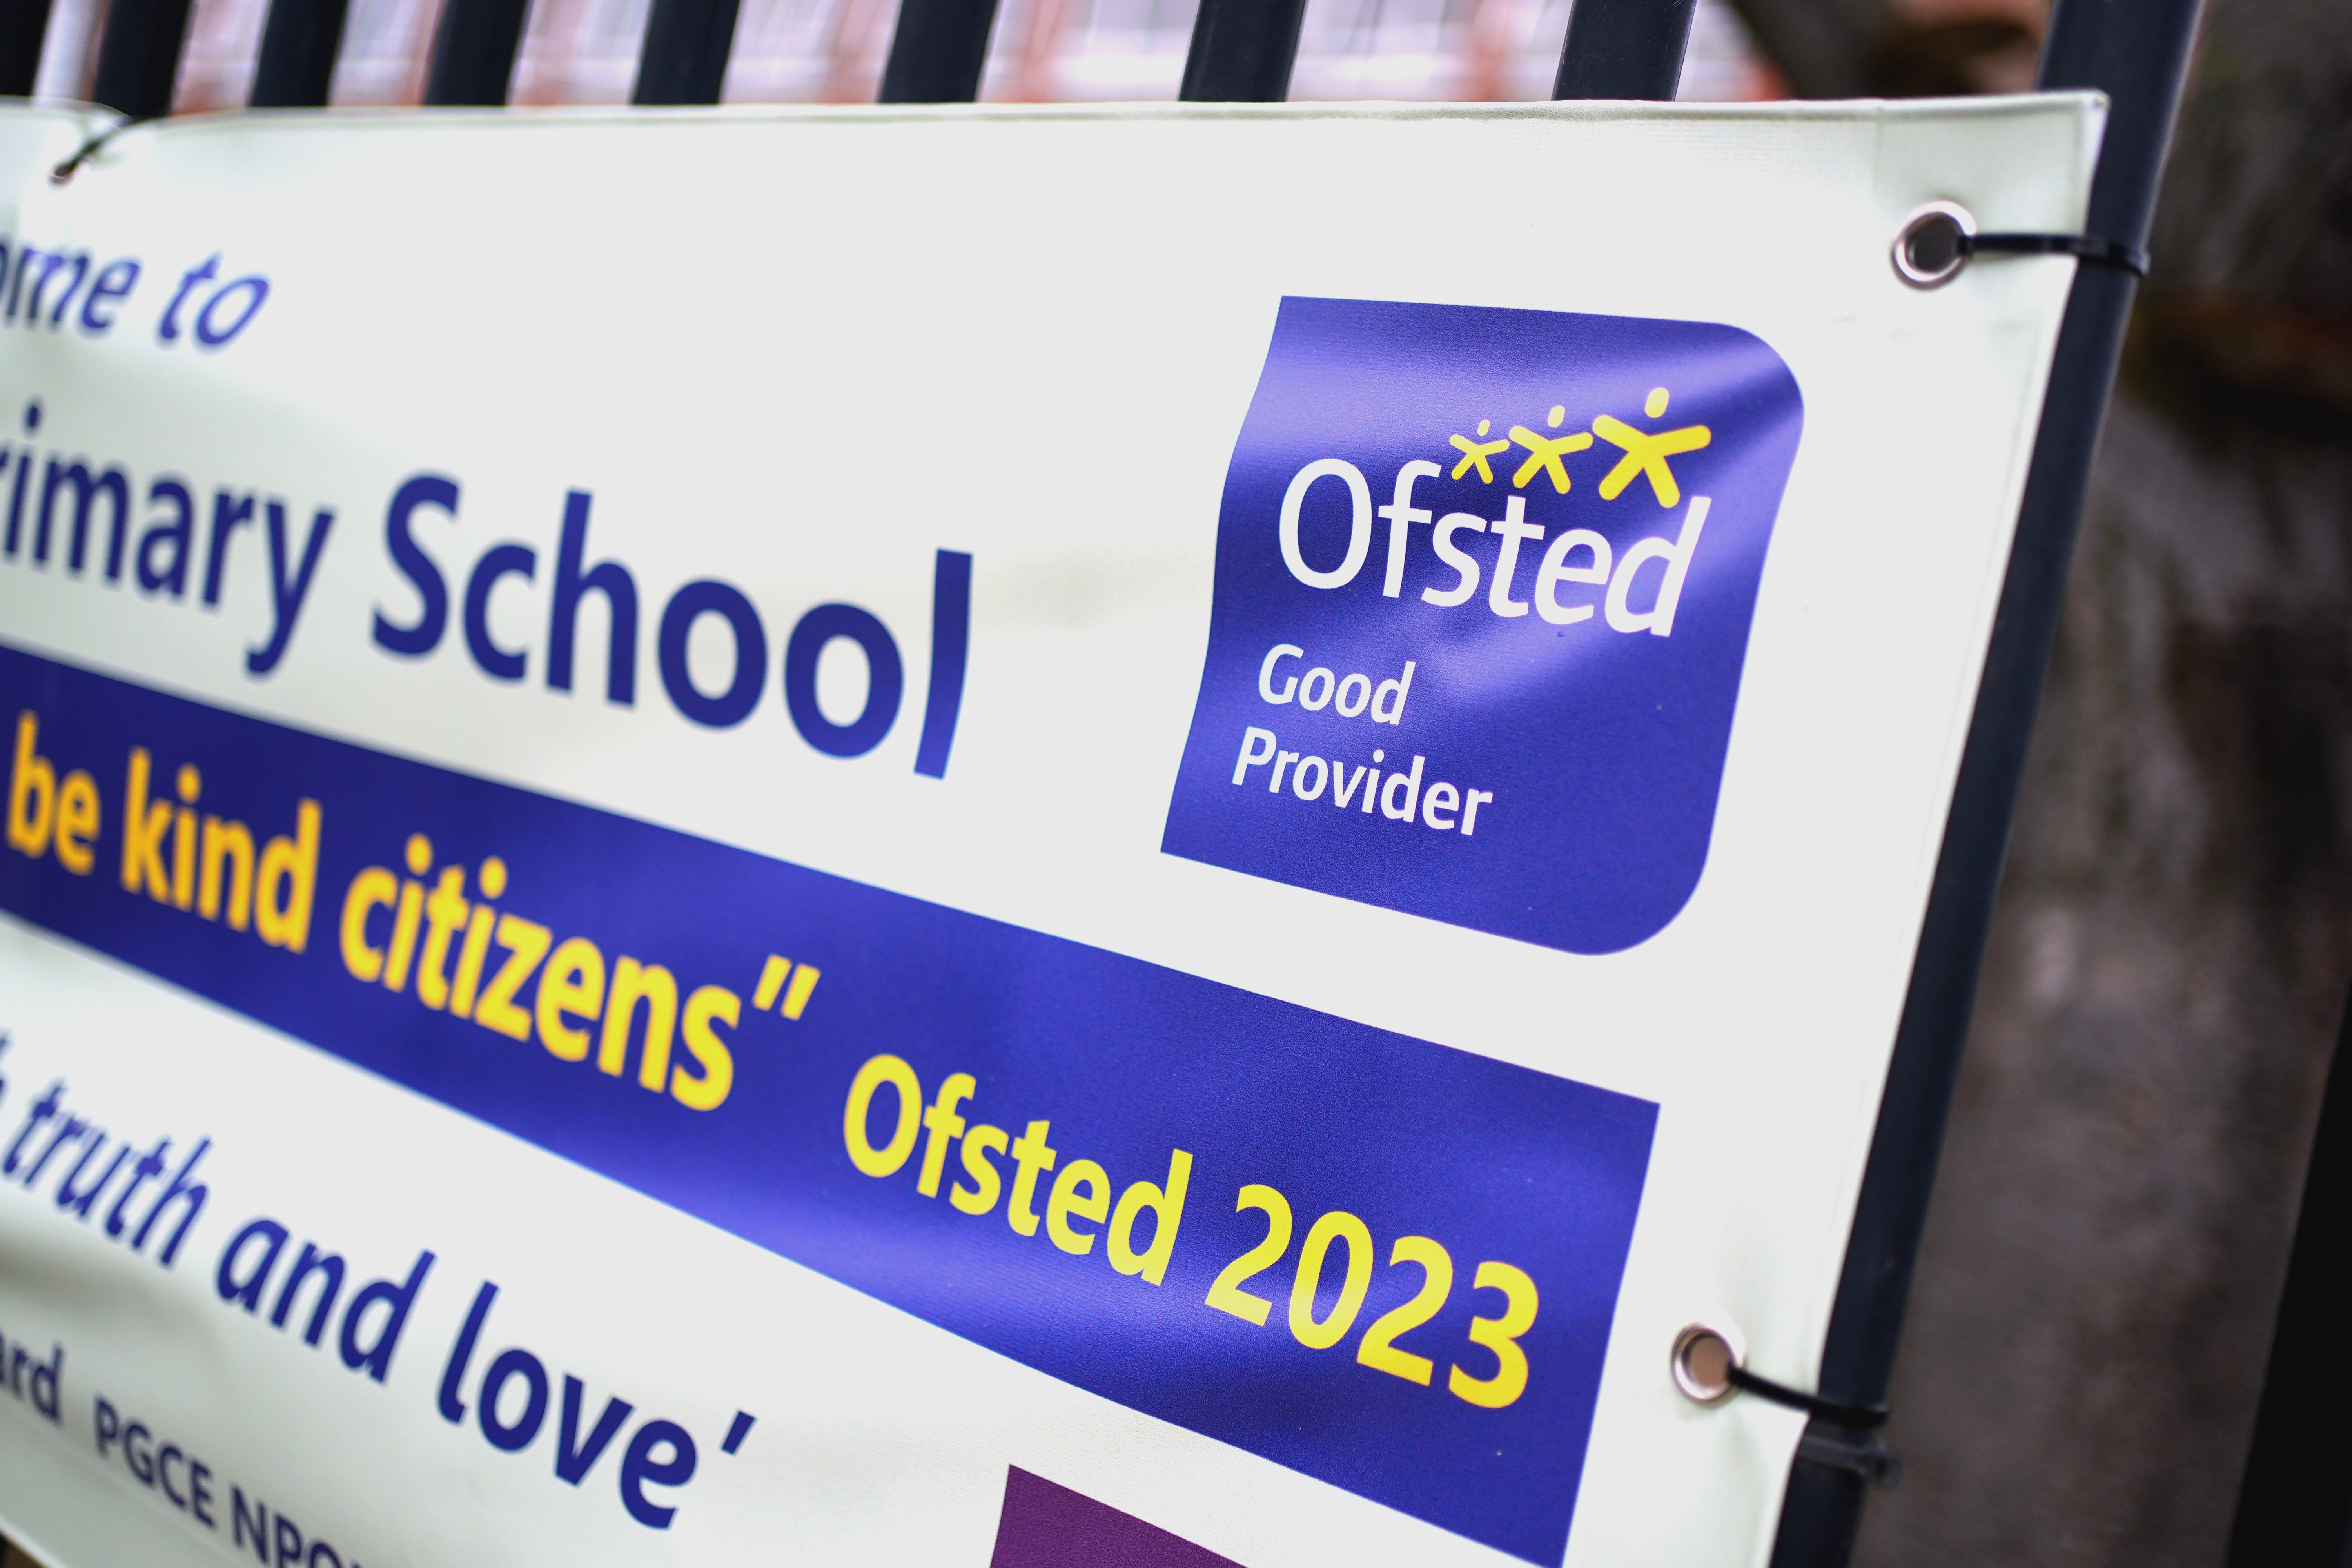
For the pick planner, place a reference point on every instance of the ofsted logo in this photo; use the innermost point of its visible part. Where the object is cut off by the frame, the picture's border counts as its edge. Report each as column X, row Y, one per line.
column 1501, row 696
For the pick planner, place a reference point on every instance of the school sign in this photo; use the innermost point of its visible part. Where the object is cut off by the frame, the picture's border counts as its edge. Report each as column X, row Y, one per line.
column 681, row 885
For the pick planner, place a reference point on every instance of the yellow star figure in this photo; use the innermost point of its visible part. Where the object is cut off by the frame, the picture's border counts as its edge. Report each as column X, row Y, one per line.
column 1475, row 453
column 1647, row 455
column 1543, row 453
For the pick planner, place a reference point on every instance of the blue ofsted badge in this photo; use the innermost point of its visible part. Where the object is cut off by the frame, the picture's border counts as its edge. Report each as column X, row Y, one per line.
column 1483, row 591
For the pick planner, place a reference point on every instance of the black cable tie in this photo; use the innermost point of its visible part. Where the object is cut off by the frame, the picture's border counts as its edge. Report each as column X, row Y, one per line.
column 1859, row 1454
column 87, row 151
column 1861, row 1417
column 2082, row 247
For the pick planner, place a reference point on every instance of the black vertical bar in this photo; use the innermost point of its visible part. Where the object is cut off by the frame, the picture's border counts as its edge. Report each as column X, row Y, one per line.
column 297, row 64
column 2135, row 51
column 2295, row 1509
column 1624, row 49
column 937, row 51
column 1242, row 51
column 24, row 28
column 138, row 58
column 474, row 52
column 684, row 55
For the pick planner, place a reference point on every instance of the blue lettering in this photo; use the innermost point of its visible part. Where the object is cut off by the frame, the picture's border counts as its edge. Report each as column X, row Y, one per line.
column 504, row 561
column 885, row 680
column 685, row 606
column 609, row 578
column 639, row 1466
column 432, row 592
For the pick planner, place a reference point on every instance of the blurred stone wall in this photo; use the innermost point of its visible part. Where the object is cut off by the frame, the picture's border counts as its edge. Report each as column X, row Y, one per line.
column 2092, row 1316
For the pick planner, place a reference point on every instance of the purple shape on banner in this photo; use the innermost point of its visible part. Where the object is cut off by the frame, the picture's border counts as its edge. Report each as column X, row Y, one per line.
column 1484, row 576
column 1048, row 1526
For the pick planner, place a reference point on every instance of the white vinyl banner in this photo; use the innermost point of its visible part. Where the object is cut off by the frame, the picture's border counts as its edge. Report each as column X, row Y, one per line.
column 976, row 835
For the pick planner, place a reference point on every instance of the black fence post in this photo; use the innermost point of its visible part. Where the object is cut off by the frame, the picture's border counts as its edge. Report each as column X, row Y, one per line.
column 2295, row 1509
column 1242, row 51
column 2136, row 51
column 684, row 55
column 138, row 58
column 296, row 62
column 1624, row 49
column 23, row 29
column 938, row 52
column 474, row 52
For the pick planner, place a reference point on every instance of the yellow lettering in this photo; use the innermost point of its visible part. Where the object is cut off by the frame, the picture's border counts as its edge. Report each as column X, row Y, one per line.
column 469, row 960
column 28, row 777
column 1167, row 1206
column 1226, row 1292
column 981, row 1197
column 372, row 889
column 288, row 878
column 1029, row 1156
column 142, row 831
column 657, row 989
column 1340, row 1227
column 1378, row 1349
column 708, row 1006
column 183, row 858
column 184, row 839
column 572, row 983
column 417, row 854
column 771, row 981
column 796, row 994
column 526, row 943
column 77, row 822
column 445, row 911
column 405, row 919
column 231, row 843
column 1501, row 1336
column 1066, row 1202
column 885, row 1161
column 941, row 1127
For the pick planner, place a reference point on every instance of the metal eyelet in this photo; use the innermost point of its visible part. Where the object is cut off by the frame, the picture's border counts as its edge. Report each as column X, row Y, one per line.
column 1931, row 246
column 1702, row 1362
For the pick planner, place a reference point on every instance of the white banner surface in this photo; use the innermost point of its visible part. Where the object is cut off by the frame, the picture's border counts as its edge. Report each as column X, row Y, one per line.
column 980, row 836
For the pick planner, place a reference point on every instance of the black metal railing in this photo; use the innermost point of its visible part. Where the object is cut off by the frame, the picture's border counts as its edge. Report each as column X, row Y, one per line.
column 1242, row 51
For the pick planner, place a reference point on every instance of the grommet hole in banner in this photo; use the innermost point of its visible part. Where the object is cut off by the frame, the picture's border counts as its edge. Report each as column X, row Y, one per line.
column 1935, row 243
column 1702, row 1364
